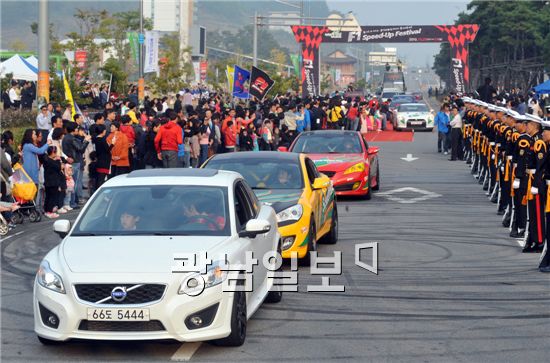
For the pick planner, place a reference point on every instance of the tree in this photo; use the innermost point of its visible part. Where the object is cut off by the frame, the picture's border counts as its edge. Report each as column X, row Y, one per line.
column 17, row 45
column 278, row 56
column 173, row 71
column 114, row 28
column 241, row 41
column 113, row 67
column 511, row 33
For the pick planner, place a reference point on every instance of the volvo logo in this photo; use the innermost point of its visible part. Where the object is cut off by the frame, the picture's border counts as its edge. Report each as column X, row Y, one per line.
column 119, row 293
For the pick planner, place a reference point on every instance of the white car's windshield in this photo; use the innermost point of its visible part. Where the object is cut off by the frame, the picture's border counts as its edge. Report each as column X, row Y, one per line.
column 157, row 210
column 413, row 108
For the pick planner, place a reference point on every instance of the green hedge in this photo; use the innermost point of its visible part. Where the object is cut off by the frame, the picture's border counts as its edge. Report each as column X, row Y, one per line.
column 17, row 118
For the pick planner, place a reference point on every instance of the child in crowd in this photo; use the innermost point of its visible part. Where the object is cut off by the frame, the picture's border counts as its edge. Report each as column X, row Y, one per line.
column 70, row 187
column 54, row 183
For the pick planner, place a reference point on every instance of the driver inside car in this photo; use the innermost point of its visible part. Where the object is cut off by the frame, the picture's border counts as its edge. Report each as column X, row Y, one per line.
column 203, row 215
column 349, row 147
column 283, row 179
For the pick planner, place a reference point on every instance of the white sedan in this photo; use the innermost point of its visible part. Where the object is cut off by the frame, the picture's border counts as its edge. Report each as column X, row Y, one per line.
column 415, row 116
column 126, row 269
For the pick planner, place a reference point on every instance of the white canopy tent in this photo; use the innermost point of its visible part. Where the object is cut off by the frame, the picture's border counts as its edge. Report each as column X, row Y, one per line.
column 20, row 68
column 33, row 61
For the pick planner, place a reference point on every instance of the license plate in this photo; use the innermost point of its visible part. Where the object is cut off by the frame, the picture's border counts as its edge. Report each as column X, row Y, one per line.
column 416, row 122
column 118, row 314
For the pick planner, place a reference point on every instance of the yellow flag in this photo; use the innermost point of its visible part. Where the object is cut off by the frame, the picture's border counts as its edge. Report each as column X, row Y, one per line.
column 69, row 96
column 230, row 72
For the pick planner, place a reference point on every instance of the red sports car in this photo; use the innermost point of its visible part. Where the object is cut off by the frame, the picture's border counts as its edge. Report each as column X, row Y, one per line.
column 345, row 157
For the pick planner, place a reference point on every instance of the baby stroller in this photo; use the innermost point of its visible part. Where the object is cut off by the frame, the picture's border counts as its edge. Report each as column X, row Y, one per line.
column 23, row 191
column 4, row 227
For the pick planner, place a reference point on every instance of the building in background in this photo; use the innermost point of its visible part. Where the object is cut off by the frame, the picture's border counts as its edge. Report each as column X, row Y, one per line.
column 342, row 67
column 388, row 56
column 171, row 16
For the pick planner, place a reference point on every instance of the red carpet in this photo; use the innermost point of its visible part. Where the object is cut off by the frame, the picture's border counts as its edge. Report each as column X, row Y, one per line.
column 389, row 136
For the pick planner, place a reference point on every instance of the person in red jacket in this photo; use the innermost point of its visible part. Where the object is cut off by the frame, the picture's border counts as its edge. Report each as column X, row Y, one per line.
column 168, row 140
column 353, row 117
column 127, row 129
column 230, row 137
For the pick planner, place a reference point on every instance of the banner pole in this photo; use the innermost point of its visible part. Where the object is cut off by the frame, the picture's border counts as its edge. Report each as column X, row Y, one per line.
column 109, row 92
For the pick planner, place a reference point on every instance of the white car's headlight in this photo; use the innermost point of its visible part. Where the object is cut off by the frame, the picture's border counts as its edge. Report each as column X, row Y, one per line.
column 47, row 278
column 293, row 213
column 194, row 284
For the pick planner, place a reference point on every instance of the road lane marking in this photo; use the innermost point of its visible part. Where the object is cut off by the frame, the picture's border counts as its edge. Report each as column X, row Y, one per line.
column 13, row 235
column 424, row 195
column 185, row 352
column 409, row 158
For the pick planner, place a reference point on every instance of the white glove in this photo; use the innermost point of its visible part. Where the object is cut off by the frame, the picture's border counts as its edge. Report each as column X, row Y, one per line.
column 515, row 184
column 493, row 157
column 502, row 169
column 534, row 190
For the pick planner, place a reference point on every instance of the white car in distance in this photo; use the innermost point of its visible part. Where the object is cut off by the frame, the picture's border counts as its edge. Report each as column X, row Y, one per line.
column 112, row 277
column 416, row 116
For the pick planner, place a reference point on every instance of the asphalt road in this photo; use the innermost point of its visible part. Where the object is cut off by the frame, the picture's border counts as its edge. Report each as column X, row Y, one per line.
column 451, row 287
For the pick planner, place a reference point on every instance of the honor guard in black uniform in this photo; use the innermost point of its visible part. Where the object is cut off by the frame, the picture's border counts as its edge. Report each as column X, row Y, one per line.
column 467, row 130
column 495, row 157
column 476, row 116
column 506, row 132
column 483, row 176
column 523, row 145
column 534, row 196
column 544, row 263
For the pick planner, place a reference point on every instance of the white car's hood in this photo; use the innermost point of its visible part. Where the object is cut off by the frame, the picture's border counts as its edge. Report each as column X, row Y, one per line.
column 132, row 254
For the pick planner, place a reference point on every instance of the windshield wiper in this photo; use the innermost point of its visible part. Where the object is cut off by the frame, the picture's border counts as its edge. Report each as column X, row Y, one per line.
column 83, row 234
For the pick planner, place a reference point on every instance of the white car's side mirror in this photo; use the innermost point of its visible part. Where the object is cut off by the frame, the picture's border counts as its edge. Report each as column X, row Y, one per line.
column 62, row 227
column 255, row 227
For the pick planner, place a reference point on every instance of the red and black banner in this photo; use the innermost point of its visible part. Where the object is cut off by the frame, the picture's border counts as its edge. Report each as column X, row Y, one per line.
column 458, row 36
column 260, row 83
column 310, row 37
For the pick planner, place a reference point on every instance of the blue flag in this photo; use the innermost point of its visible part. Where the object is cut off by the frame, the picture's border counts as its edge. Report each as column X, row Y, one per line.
column 240, row 83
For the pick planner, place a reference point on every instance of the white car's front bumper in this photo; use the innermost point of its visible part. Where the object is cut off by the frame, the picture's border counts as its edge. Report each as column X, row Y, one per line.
column 171, row 311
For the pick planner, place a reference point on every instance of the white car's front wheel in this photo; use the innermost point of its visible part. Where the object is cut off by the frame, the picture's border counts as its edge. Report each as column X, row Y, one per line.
column 238, row 323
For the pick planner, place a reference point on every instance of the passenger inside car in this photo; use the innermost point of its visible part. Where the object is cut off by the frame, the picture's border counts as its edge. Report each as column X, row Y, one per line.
column 129, row 220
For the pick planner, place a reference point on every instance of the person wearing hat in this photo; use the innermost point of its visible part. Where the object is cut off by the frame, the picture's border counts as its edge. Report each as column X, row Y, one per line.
column 522, row 143
column 505, row 200
column 535, row 183
column 474, row 117
column 467, row 131
column 483, row 176
column 493, row 135
column 544, row 167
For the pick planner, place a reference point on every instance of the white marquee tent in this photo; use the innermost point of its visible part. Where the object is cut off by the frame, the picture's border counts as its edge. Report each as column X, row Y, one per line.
column 20, row 68
column 33, row 61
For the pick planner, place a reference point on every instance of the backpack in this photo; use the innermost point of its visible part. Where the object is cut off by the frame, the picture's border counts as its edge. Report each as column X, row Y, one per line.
column 334, row 114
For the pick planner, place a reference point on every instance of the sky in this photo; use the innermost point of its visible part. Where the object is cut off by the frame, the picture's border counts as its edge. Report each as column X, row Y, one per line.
column 405, row 12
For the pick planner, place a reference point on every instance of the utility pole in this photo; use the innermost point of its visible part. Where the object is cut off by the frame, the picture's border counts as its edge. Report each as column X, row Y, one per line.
column 141, row 81
column 43, row 51
column 255, row 41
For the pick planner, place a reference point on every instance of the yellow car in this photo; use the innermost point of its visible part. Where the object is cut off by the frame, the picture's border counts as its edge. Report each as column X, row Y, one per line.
column 302, row 197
